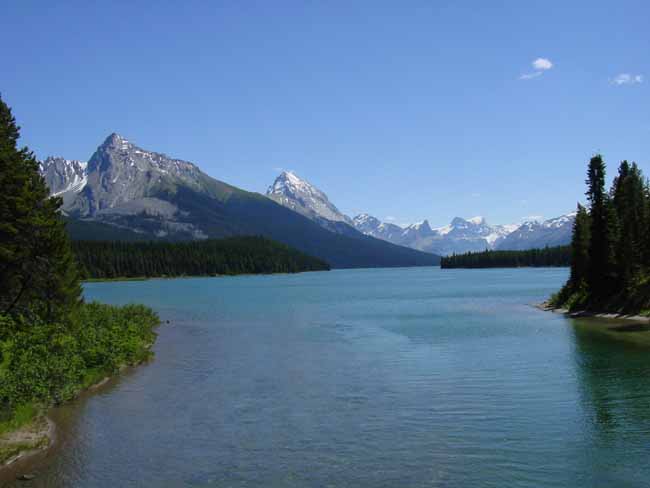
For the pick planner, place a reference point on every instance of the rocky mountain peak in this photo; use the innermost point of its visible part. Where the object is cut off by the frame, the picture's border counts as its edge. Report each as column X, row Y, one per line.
column 299, row 195
column 64, row 175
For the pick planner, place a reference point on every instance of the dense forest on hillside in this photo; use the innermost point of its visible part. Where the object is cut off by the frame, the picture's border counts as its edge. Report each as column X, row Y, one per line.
column 610, row 248
column 52, row 344
column 230, row 256
column 548, row 256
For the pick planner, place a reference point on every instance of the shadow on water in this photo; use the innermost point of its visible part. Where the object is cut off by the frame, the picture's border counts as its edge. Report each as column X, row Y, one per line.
column 613, row 370
column 630, row 328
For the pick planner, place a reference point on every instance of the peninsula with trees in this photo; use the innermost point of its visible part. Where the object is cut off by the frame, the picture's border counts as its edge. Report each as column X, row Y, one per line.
column 610, row 247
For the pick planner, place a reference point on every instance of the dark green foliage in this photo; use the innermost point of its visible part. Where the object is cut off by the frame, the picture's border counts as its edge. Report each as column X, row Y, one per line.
column 49, row 362
column 235, row 255
column 580, row 248
column 628, row 197
column 599, row 245
column 37, row 272
column 610, row 260
column 548, row 256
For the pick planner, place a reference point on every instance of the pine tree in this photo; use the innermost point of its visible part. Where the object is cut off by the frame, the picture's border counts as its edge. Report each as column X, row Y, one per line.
column 645, row 248
column 628, row 195
column 580, row 249
column 599, row 246
column 37, row 269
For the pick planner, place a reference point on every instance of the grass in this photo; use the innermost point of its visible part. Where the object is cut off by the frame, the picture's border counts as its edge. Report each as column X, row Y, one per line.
column 21, row 416
column 26, row 430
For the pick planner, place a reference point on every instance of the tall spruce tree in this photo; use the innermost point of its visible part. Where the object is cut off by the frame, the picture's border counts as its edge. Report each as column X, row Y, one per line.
column 599, row 245
column 645, row 249
column 580, row 249
column 37, row 269
column 628, row 195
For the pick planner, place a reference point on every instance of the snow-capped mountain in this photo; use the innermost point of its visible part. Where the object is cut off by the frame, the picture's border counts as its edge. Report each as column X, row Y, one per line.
column 129, row 191
column 372, row 226
column 301, row 196
column 473, row 234
column 531, row 234
column 417, row 231
column 459, row 236
column 64, row 177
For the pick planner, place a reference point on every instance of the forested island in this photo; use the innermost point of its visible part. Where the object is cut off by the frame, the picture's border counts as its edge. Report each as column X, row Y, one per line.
column 610, row 248
column 545, row 257
column 230, row 256
column 52, row 343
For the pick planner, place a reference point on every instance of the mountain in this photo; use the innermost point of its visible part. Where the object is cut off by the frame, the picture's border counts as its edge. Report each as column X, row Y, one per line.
column 461, row 235
column 64, row 177
column 150, row 194
column 302, row 197
column 372, row 226
column 534, row 234
column 464, row 235
column 291, row 191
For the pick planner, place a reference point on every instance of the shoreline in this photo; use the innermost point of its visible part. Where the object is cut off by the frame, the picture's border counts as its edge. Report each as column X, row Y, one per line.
column 150, row 278
column 39, row 435
column 36, row 437
column 544, row 306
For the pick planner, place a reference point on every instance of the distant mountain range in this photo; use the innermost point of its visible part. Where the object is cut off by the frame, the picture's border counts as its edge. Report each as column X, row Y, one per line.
column 130, row 193
column 460, row 236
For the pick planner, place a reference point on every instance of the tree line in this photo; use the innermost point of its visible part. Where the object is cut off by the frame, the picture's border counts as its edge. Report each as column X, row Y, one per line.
column 230, row 256
column 610, row 247
column 52, row 344
column 545, row 257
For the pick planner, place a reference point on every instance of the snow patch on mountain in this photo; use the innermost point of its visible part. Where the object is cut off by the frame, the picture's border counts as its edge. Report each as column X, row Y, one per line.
column 64, row 175
column 299, row 195
column 459, row 236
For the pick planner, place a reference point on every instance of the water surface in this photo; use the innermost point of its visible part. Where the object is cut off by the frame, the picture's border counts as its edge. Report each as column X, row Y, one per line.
column 414, row 377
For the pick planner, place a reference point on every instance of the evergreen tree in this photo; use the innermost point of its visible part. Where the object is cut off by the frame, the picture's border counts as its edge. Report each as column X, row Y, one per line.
column 37, row 269
column 628, row 195
column 645, row 247
column 599, row 246
column 611, row 267
column 580, row 249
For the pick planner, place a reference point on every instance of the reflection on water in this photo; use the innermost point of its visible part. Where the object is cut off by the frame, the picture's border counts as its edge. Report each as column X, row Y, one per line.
column 364, row 378
column 613, row 363
column 613, row 366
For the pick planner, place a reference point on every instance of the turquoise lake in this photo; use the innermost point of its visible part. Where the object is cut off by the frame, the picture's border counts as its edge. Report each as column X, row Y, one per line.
column 416, row 377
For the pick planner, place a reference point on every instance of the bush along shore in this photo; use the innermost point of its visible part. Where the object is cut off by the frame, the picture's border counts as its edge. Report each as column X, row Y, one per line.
column 52, row 344
column 610, row 247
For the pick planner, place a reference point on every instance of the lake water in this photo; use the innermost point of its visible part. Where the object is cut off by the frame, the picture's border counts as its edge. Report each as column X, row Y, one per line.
column 414, row 377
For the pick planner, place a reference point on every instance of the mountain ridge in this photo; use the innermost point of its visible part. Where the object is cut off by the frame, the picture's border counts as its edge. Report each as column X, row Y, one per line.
column 155, row 195
column 459, row 236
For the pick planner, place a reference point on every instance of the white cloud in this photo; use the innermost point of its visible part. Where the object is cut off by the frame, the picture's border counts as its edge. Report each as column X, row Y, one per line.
column 542, row 64
column 627, row 79
column 389, row 218
column 539, row 65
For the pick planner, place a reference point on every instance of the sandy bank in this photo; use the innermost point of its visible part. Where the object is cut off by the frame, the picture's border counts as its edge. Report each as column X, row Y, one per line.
column 30, row 439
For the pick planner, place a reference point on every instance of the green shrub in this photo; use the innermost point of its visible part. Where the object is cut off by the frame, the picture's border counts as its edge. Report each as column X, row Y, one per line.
column 49, row 363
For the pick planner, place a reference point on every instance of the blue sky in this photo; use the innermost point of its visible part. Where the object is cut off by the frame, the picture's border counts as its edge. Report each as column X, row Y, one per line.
column 406, row 110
